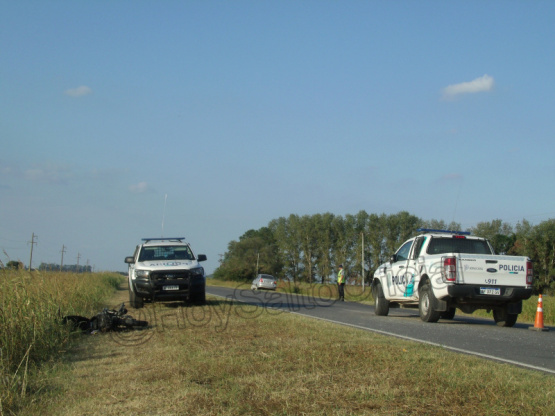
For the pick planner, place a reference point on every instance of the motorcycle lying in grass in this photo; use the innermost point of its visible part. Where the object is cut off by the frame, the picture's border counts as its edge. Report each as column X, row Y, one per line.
column 105, row 321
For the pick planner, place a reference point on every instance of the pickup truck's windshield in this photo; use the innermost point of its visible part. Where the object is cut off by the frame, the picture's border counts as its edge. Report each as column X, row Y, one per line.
column 166, row 253
column 458, row 245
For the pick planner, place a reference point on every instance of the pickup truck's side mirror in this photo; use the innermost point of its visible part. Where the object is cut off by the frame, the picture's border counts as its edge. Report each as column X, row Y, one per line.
column 201, row 257
column 393, row 258
column 129, row 260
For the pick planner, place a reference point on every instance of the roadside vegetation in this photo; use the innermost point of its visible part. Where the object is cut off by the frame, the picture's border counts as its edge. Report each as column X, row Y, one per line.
column 227, row 358
column 31, row 332
column 356, row 294
column 309, row 248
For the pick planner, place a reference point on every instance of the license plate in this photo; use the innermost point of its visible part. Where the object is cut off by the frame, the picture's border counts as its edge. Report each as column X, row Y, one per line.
column 490, row 291
column 173, row 287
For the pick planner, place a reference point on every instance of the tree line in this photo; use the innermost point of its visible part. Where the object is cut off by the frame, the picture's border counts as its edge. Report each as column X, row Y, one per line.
column 309, row 248
column 74, row 268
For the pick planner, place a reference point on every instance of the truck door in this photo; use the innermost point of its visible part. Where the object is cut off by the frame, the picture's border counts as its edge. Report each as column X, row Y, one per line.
column 399, row 274
column 412, row 272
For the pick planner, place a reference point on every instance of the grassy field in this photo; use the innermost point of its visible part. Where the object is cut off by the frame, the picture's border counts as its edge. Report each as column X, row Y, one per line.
column 31, row 334
column 355, row 294
column 226, row 358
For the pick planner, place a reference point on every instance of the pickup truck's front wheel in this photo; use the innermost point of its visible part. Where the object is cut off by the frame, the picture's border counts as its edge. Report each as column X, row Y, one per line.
column 135, row 301
column 198, row 298
column 381, row 304
column 425, row 302
column 504, row 318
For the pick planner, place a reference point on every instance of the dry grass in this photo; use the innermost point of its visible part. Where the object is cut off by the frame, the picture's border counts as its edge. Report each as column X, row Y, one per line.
column 31, row 333
column 229, row 359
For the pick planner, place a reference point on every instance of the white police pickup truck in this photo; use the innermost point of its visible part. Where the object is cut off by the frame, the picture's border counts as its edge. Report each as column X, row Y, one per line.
column 165, row 269
column 439, row 271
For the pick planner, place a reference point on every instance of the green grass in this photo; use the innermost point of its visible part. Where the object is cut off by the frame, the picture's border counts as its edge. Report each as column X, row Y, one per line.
column 228, row 358
column 31, row 308
column 224, row 359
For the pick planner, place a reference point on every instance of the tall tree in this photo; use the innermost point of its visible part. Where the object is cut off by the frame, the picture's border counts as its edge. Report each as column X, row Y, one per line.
column 375, row 240
column 543, row 238
column 398, row 228
column 499, row 234
column 360, row 221
column 523, row 244
column 307, row 237
column 255, row 252
column 325, row 241
column 441, row 225
column 288, row 243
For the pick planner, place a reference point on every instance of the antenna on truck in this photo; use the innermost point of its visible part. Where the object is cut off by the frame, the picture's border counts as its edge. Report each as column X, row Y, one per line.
column 164, row 214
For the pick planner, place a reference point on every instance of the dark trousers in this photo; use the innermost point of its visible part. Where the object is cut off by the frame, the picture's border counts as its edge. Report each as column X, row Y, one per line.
column 341, row 290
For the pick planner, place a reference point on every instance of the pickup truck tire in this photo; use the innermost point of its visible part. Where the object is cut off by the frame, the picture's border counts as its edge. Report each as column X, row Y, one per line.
column 197, row 299
column 449, row 314
column 425, row 302
column 381, row 304
column 135, row 301
column 503, row 318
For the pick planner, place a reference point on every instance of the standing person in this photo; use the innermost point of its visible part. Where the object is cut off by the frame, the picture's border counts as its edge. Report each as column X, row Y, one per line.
column 341, row 283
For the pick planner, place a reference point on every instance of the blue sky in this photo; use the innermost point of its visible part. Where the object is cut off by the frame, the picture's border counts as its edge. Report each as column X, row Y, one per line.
column 241, row 112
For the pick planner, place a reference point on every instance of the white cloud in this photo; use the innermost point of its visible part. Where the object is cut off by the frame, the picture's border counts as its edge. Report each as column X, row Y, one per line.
column 78, row 92
column 481, row 84
column 139, row 188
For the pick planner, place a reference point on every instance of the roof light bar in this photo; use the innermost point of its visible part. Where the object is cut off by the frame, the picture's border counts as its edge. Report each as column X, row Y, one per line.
column 164, row 239
column 430, row 230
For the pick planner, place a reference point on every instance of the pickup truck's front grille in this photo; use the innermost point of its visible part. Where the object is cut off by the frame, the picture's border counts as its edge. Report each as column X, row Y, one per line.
column 162, row 276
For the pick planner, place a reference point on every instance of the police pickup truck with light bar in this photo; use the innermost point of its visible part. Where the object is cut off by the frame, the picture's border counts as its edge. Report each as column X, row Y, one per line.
column 439, row 271
column 165, row 269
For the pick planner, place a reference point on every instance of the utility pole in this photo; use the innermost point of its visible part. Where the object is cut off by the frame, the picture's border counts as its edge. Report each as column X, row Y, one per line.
column 32, row 242
column 78, row 257
column 362, row 233
column 62, row 262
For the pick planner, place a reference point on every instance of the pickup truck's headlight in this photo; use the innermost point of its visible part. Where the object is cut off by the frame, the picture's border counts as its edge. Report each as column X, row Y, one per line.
column 197, row 271
column 143, row 274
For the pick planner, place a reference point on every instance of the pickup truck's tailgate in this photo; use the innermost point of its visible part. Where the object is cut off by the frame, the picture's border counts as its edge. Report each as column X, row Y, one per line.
column 491, row 270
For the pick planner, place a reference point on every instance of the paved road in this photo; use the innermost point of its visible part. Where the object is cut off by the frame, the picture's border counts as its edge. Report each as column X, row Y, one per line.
column 517, row 345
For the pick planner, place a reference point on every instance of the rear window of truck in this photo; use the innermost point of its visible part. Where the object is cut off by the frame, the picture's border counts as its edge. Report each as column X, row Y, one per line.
column 458, row 245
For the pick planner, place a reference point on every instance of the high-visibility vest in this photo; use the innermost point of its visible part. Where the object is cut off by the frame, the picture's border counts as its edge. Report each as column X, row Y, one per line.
column 340, row 277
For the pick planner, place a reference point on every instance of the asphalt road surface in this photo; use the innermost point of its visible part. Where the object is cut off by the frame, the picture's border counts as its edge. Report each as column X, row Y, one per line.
column 476, row 336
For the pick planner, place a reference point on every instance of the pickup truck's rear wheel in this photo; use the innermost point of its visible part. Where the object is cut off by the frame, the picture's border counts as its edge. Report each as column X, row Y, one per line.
column 448, row 314
column 381, row 304
column 135, row 301
column 425, row 302
column 503, row 318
